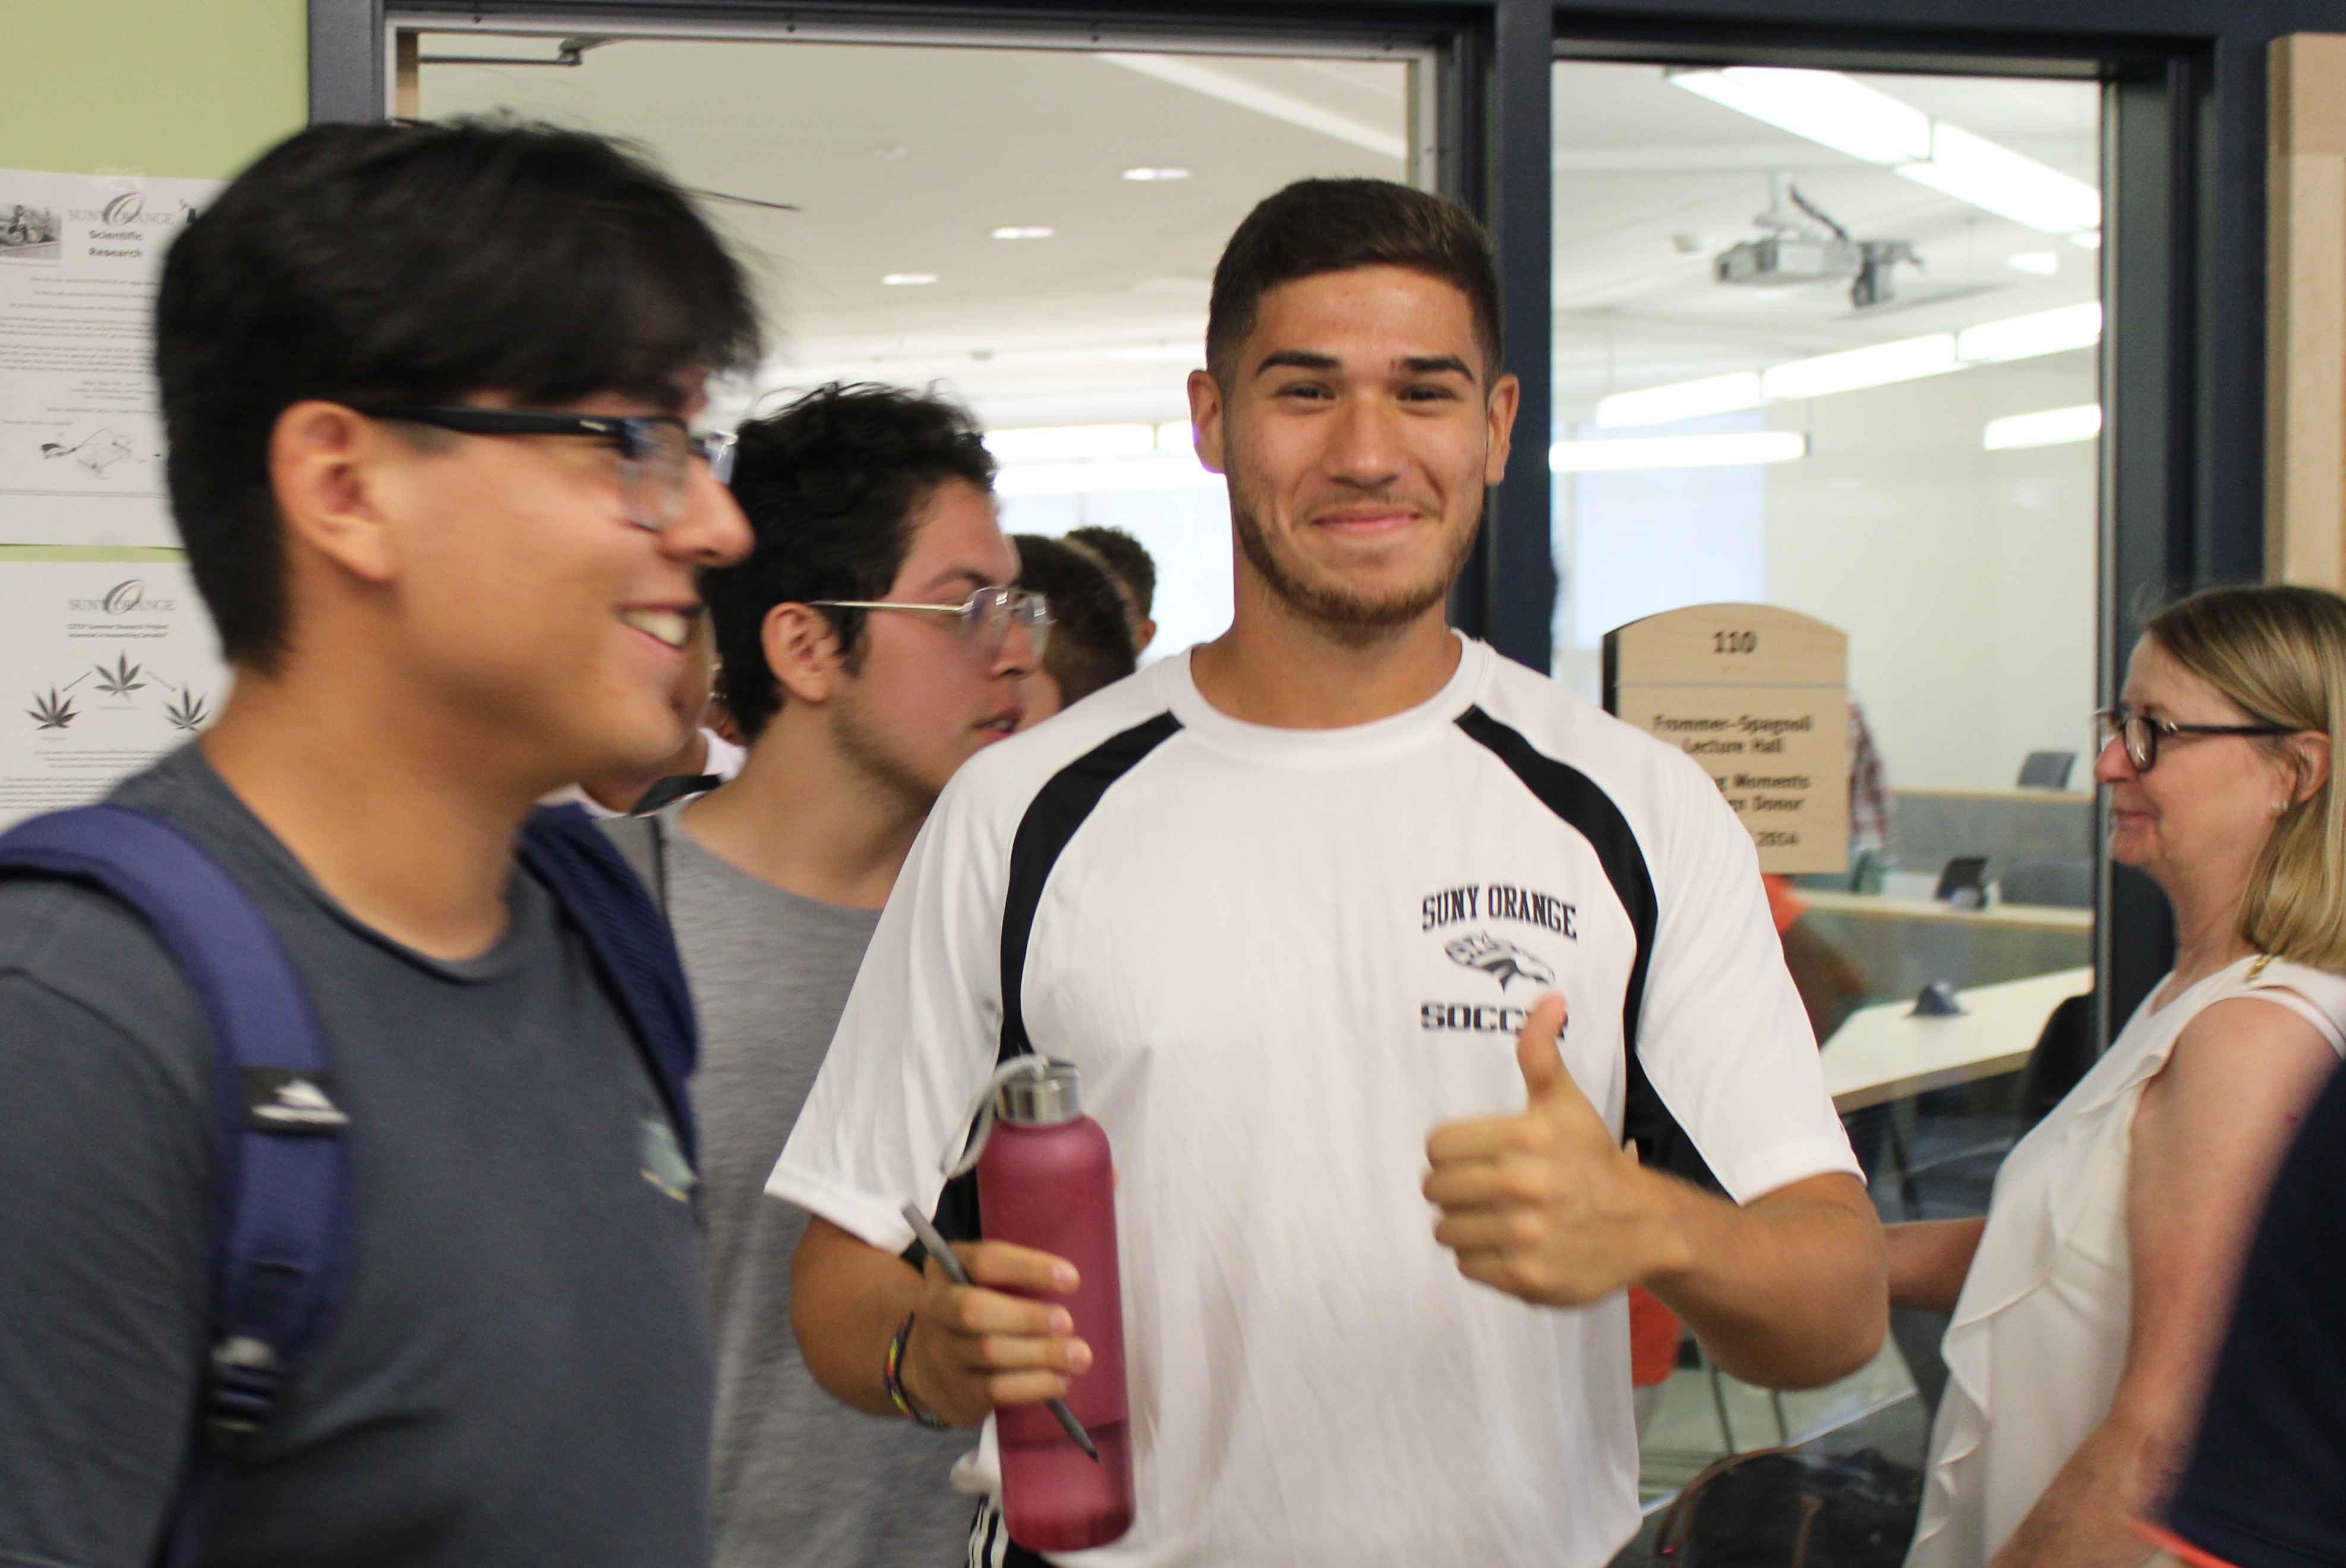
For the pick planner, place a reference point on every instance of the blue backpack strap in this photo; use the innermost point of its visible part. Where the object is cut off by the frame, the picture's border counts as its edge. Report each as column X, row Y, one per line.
column 282, row 1239
column 632, row 946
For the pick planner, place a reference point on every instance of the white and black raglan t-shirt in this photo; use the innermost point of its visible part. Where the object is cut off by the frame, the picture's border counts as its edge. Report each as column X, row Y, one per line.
column 1279, row 959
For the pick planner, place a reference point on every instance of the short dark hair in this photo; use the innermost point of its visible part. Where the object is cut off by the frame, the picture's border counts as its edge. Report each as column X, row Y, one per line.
column 1317, row 226
column 1090, row 645
column 1126, row 556
column 416, row 264
column 829, row 485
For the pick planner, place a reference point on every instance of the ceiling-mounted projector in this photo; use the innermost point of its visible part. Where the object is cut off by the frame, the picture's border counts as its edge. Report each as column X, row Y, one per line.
column 1803, row 245
column 1783, row 260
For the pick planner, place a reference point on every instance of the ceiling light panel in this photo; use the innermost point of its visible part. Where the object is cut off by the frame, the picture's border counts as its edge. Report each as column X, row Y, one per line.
column 1904, row 360
column 908, row 279
column 2025, row 337
column 1680, row 400
column 1997, row 180
column 1908, row 358
column 1734, row 450
column 1835, row 111
column 1822, row 107
column 1150, row 174
column 1024, row 231
column 1231, row 87
column 2051, row 427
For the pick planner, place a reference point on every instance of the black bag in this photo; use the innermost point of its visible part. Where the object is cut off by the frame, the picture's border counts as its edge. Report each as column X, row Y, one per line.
column 1781, row 1508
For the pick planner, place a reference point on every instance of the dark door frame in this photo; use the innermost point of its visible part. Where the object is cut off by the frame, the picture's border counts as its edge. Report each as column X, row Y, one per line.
column 2183, row 354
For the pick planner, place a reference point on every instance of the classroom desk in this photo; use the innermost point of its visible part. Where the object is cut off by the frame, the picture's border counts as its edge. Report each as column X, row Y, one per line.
column 1881, row 1055
column 2015, row 917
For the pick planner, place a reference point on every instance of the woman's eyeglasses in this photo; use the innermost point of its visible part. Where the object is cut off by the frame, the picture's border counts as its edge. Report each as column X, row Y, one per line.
column 986, row 617
column 2143, row 733
column 655, row 450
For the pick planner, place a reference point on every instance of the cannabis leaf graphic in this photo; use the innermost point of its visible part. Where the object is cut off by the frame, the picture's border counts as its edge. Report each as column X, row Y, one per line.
column 188, row 712
column 50, row 712
column 122, row 679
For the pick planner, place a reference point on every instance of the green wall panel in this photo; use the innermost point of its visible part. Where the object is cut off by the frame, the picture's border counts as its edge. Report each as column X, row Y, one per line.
column 186, row 87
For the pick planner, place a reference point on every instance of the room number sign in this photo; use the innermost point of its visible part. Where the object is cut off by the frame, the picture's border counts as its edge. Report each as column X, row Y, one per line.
column 1759, row 697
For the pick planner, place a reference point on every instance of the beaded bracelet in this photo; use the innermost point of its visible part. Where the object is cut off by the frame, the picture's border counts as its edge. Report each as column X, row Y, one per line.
column 891, row 1378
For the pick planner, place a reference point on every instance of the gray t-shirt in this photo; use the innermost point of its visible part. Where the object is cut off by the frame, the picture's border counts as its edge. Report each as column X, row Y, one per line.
column 801, row 1479
column 520, row 1371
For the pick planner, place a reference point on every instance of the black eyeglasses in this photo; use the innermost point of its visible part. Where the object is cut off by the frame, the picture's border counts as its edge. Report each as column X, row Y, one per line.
column 654, row 448
column 986, row 617
column 2143, row 733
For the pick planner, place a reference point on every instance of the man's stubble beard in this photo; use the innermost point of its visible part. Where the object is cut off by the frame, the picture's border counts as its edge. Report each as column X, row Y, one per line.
column 1351, row 617
column 862, row 745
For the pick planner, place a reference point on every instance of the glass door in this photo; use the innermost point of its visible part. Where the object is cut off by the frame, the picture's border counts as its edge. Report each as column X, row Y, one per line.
column 1830, row 341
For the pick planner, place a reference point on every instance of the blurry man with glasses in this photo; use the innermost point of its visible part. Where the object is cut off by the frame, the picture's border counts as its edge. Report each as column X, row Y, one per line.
column 428, row 393
column 870, row 643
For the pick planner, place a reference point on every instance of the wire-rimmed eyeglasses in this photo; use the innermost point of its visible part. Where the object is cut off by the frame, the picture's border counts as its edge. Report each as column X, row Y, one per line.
column 2142, row 733
column 654, row 448
column 986, row 617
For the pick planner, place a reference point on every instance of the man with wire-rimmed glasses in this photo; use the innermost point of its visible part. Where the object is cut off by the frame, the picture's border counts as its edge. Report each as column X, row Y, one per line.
column 872, row 642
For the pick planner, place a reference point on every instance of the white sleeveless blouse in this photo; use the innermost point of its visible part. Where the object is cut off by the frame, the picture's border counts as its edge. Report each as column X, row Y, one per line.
column 2039, row 1334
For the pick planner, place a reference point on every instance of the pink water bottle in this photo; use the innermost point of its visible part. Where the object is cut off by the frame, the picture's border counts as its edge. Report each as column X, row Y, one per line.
column 1045, row 1181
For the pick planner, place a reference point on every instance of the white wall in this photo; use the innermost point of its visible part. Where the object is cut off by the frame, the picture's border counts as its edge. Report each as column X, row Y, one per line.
column 1634, row 543
column 1188, row 532
column 1966, row 578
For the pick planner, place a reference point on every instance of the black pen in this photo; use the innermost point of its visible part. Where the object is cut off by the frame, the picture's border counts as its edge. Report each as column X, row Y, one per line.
column 951, row 1264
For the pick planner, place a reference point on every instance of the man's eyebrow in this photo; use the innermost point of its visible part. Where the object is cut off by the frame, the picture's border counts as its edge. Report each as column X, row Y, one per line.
column 1436, row 364
column 969, row 575
column 1298, row 359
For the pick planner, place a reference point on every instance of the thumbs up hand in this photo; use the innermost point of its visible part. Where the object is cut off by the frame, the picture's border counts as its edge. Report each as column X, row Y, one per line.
column 1544, row 1205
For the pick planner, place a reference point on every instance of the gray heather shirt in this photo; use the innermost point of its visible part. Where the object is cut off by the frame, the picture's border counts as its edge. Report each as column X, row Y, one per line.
column 519, row 1375
column 800, row 1479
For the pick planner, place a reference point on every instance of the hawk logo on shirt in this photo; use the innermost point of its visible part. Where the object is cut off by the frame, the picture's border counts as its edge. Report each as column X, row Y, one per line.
column 1502, row 961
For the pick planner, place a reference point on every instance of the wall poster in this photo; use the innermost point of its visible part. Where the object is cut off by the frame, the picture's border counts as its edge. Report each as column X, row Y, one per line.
column 81, row 441
column 107, row 656
column 104, row 667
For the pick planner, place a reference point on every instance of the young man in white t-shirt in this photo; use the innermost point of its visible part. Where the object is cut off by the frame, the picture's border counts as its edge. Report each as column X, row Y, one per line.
column 1304, row 908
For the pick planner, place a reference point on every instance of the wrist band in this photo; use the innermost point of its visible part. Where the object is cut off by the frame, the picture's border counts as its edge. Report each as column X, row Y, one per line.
column 891, row 1378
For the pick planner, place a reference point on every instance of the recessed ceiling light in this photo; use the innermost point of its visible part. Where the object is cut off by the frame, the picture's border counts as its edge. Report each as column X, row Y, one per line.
column 2043, row 263
column 1025, row 232
column 1156, row 174
column 905, row 280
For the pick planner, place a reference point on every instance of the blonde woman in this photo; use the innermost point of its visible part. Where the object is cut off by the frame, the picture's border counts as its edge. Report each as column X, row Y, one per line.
column 2089, row 1303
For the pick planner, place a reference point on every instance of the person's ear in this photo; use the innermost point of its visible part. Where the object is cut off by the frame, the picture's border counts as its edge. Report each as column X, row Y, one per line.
column 803, row 653
column 336, row 475
column 1143, row 635
column 2309, row 750
column 1507, row 397
column 1205, row 419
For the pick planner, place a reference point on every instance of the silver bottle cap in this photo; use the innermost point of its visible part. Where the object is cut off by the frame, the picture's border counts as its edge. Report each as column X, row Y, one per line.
column 1041, row 1099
